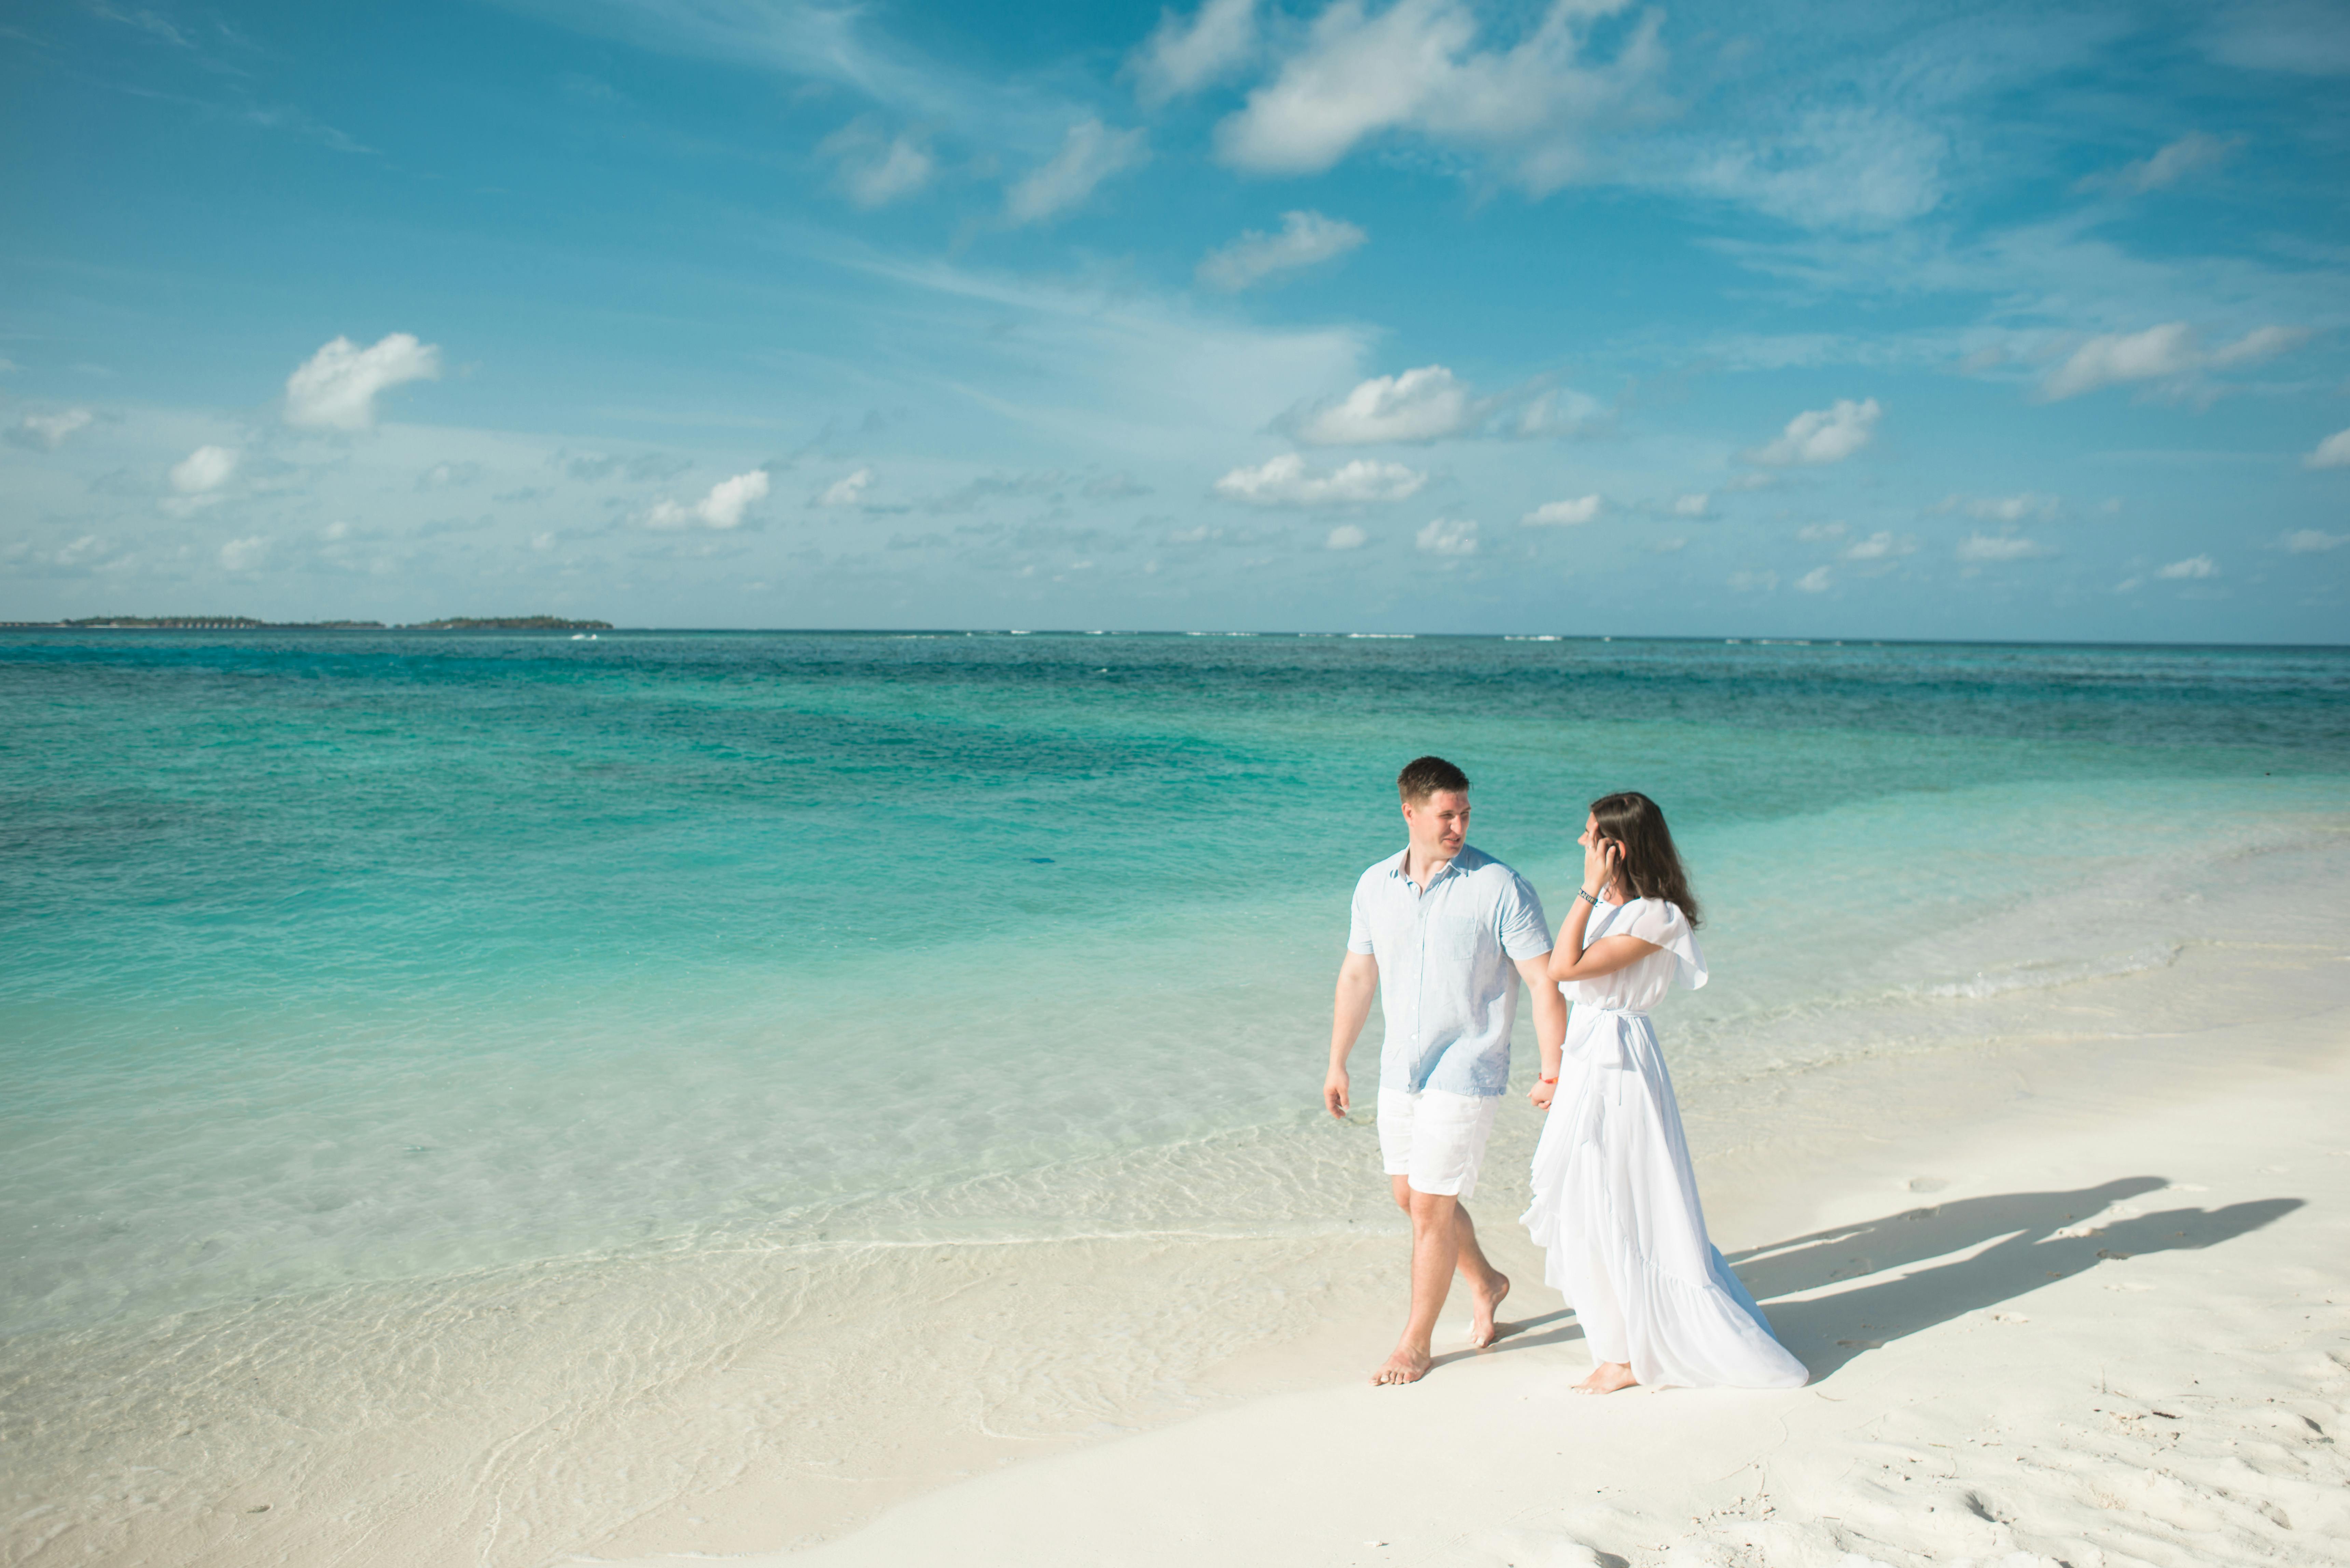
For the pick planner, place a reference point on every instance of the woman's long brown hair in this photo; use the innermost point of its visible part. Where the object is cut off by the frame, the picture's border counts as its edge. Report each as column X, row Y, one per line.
column 1651, row 867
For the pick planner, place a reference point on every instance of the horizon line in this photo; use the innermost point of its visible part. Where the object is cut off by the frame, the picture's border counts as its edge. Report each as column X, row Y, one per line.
column 348, row 629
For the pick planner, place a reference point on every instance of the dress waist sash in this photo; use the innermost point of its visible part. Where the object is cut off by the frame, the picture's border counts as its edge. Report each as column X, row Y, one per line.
column 1605, row 1042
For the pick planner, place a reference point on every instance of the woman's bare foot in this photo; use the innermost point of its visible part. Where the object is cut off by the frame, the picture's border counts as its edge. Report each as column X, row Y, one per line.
column 1488, row 1297
column 1608, row 1377
column 1408, row 1364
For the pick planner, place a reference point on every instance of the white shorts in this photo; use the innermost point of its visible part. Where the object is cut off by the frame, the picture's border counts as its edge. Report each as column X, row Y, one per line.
column 1435, row 1138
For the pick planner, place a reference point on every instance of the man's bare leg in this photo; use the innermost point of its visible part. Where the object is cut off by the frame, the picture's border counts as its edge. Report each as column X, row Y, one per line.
column 1443, row 1239
column 1487, row 1284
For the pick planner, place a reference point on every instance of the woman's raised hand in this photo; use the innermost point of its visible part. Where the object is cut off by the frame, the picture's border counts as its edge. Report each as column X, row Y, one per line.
column 1602, row 858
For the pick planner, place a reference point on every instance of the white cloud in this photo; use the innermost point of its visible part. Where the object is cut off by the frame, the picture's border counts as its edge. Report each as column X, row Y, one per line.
column 1560, row 412
column 1346, row 536
column 1751, row 582
column 2191, row 154
column 244, row 555
column 1415, row 67
column 1422, row 405
column 1182, row 57
column 1823, row 435
column 728, row 498
column 2333, row 451
column 2012, row 508
column 48, row 432
column 2167, row 352
column 1693, row 504
column 1818, row 580
column 1305, row 239
column 1849, row 169
column 2194, row 567
column 1878, row 547
column 847, row 491
column 1089, row 154
column 1562, row 513
column 2260, row 343
column 1449, row 536
column 2302, row 38
column 336, row 387
column 1283, row 482
column 721, row 508
column 875, row 168
column 1986, row 548
column 2310, row 541
column 205, row 469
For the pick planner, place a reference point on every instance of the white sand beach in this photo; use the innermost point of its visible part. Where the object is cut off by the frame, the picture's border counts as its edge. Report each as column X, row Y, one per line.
column 2073, row 1277
column 2103, row 1318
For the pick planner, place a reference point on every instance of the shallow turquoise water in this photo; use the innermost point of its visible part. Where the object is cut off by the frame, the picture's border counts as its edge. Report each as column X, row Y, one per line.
column 347, row 956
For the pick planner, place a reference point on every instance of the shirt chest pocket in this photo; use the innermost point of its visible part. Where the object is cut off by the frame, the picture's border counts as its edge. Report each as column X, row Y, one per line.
column 1457, row 940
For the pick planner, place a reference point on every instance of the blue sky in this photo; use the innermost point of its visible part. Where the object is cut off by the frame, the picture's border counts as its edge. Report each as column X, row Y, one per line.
column 1433, row 315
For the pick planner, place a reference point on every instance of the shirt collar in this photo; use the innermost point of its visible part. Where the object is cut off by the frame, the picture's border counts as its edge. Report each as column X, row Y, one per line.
column 1399, row 867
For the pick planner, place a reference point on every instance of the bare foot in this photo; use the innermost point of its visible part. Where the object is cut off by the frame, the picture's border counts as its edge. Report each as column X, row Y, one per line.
column 1483, row 1330
column 1408, row 1364
column 1608, row 1377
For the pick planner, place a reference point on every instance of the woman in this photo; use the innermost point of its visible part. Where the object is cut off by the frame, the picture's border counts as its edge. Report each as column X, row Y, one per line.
column 1615, row 1200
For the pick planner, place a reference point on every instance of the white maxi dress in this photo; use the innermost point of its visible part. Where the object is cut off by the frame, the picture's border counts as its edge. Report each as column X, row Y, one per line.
column 1615, row 1201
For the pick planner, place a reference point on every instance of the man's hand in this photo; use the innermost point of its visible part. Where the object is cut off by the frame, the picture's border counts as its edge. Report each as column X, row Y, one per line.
column 1358, row 983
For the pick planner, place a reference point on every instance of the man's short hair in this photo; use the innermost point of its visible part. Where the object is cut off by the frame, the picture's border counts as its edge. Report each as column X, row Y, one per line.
column 1424, row 776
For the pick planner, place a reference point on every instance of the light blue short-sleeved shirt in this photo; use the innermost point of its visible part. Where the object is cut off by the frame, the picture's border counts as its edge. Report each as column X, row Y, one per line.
column 1446, row 979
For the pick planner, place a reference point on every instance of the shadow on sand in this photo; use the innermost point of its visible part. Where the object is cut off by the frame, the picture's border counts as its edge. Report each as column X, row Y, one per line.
column 2012, row 1246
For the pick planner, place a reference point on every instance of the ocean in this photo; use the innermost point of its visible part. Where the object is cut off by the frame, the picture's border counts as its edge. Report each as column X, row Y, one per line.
column 367, row 967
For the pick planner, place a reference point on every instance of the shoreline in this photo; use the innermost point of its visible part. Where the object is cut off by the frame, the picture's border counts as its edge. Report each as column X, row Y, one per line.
column 630, row 1407
column 2107, row 1323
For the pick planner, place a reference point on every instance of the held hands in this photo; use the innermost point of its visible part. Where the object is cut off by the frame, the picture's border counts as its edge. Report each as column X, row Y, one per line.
column 1333, row 1093
column 1541, row 1092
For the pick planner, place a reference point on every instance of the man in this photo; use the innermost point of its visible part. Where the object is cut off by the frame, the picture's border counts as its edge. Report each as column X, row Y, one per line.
column 1436, row 930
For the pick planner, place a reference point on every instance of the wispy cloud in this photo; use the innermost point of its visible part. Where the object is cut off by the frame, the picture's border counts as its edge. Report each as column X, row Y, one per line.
column 2168, row 353
column 2191, row 154
column 2333, row 451
column 1564, row 514
column 1983, row 548
column 1090, row 153
column 205, row 470
column 1284, row 481
column 47, row 432
column 1842, row 169
column 1448, row 536
column 875, row 168
column 847, row 491
column 1306, row 239
column 1183, row 55
column 1823, row 435
column 1416, row 69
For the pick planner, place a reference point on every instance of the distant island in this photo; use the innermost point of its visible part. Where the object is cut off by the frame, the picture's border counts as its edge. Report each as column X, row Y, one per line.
column 508, row 623
column 247, row 623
